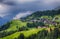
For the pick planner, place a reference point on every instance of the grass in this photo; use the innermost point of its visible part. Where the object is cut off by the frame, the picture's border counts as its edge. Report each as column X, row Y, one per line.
column 12, row 36
column 14, row 24
column 26, row 33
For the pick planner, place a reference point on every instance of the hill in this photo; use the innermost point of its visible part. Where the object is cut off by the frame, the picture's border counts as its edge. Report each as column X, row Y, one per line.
column 39, row 25
column 13, row 24
column 39, row 14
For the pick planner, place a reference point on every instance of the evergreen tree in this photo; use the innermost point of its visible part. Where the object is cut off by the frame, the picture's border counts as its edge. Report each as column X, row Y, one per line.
column 21, row 36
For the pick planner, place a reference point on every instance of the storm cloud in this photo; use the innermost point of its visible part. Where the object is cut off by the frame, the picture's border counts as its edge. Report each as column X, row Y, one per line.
column 9, row 9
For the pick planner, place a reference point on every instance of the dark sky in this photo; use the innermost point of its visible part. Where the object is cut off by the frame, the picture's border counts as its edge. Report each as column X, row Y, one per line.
column 15, row 9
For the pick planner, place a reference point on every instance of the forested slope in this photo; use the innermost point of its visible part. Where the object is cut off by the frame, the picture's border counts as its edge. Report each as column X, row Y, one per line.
column 39, row 25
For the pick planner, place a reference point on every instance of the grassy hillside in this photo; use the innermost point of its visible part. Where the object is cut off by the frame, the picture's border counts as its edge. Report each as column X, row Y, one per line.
column 39, row 25
column 26, row 33
column 14, row 24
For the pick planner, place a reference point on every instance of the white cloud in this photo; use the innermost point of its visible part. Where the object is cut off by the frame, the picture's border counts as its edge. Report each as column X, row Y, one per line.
column 3, row 10
column 24, row 1
column 18, row 1
column 2, row 7
column 50, row 1
column 23, row 14
column 6, row 10
column 2, row 15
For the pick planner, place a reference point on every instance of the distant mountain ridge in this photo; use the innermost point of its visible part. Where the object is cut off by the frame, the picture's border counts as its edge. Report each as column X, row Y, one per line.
column 0, row 20
column 57, row 8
